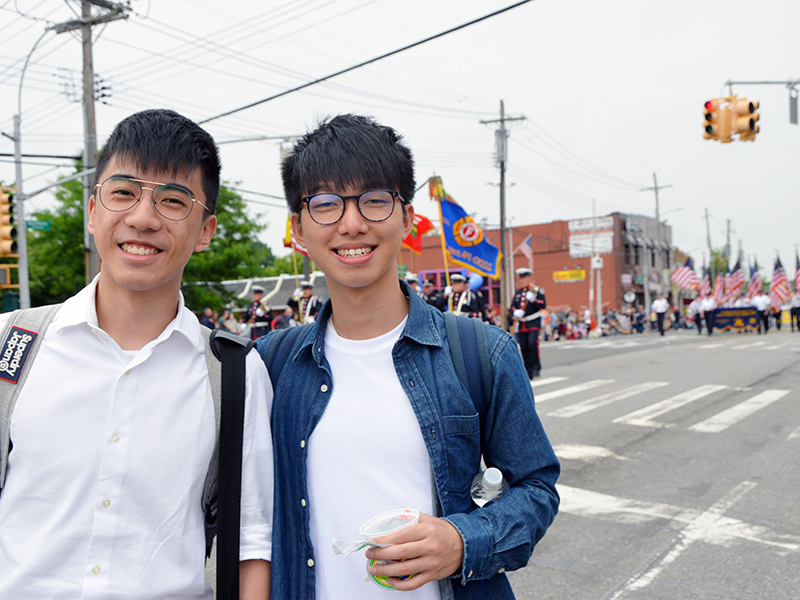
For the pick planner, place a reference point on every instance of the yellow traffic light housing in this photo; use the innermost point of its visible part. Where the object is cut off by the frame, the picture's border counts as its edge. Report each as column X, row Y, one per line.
column 711, row 111
column 8, row 232
column 745, row 119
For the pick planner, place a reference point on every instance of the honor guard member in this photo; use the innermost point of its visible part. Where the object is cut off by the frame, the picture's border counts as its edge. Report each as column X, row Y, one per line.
column 763, row 305
column 431, row 295
column 258, row 314
column 413, row 281
column 306, row 303
column 526, row 310
column 708, row 312
column 794, row 310
column 461, row 301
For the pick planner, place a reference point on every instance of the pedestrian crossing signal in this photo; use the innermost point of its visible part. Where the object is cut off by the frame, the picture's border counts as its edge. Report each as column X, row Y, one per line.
column 8, row 232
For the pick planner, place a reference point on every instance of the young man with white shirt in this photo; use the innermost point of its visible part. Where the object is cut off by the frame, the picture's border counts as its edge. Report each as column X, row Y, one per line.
column 369, row 414
column 113, row 432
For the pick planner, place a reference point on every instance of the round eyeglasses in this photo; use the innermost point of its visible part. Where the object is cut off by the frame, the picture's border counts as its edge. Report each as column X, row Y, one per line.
column 375, row 206
column 171, row 201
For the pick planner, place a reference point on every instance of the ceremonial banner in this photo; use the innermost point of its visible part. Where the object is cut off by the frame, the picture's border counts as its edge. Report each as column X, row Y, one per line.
column 736, row 319
column 462, row 239
column 420, row 227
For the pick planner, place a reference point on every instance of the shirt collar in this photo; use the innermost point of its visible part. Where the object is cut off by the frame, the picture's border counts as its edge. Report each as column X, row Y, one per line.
column 81, row 309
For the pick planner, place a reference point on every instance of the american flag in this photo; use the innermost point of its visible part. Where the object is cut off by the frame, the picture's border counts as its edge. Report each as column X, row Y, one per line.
column 796, row 270
column 755, row 282
column 736, row 281
column 685, row 277
column 718, row 290
column 527, row 250
column 779, row 286
column 705, row 285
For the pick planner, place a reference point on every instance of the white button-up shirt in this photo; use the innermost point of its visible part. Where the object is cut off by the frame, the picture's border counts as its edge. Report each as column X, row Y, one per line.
column 103, row 495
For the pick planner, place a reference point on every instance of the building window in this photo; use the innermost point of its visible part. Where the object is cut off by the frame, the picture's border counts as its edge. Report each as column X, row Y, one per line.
column 652, row 258
column 637, row 255
column 627, row 254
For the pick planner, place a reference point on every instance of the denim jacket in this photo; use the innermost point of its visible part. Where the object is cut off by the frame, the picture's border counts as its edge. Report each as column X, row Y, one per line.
column 498, row 537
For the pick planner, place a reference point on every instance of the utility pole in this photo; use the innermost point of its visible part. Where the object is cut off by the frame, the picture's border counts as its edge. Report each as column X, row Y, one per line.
column 655, row 188
column 501, row 141
column 113, row 12
column 708, row 237
column 22, row 232
column 728, row 240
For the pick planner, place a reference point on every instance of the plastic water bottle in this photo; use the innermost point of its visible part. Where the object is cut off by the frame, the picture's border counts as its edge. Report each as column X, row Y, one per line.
column 488, row 485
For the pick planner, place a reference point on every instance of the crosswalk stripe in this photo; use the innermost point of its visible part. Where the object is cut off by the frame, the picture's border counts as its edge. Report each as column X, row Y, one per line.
column 587, row 405
column 573, row 389
column 734, row 414
column 644, row 416
column 746, row 346
column 710, row 346
column 547, row 381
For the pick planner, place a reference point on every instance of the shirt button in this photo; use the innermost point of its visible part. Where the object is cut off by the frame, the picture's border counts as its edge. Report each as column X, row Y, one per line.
column 323, row 388
column 302, row 502
column 470, row 575
column 96, row 570
column 128, row 372
column 302, row 443
column 310, row 562
column 106, row 502
column 115, row 437
column 501, row 570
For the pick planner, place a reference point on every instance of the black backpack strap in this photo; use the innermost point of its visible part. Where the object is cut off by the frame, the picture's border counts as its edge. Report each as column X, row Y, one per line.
column 276, row 348
column 232, row 351
column 469, row 350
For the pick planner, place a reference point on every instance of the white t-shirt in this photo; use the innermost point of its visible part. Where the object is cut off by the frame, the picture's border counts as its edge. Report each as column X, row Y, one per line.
column 366, row 456
column 761, row 302
column 103, row 496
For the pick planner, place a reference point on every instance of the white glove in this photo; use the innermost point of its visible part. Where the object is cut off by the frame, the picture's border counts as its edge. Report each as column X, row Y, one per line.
column 519, row 313
column 310, row 319
column 297, row 293
column 448, row 290
column 530, row 297
column 260, row 312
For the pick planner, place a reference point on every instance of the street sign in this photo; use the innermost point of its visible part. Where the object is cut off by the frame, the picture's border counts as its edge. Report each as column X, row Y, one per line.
column 38, row 225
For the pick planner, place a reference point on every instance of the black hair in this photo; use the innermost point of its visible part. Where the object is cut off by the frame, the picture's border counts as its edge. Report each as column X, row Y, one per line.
column 164, row 141
column 348, row 150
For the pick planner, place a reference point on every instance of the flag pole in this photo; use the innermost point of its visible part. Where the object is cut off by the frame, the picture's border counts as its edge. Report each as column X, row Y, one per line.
column 297, row 285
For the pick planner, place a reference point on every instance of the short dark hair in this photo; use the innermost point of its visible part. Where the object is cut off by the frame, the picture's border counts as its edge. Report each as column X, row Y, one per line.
column 348, row 150
column 164, row 141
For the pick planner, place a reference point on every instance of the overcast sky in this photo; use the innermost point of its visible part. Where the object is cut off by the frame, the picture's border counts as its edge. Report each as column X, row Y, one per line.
column 612, row 92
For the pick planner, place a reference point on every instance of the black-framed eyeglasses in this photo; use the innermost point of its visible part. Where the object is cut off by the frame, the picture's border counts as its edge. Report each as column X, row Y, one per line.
column 375, row 205
column 171, row 201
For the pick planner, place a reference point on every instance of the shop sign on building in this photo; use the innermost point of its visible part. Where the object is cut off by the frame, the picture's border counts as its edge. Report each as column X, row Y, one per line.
column 591, row 236
column 569, row 276
column 626, row 280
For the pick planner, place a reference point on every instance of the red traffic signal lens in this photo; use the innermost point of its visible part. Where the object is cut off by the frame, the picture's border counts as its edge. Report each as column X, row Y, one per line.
column 710, row 105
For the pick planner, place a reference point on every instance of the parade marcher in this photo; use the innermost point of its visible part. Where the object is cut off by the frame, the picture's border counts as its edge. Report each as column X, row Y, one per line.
column 526, row 310
column 113, row 430
column 763, row 306
column 794, row 311
column 305, row 304
column 461, row 300
column 413, row 282
column 432, row 296
column 369, row 412
column 708, row 310
column 660, row 306
column 258, row 316
column 696, row 314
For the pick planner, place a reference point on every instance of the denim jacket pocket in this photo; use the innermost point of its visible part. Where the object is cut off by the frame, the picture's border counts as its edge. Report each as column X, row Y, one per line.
column 462, row 434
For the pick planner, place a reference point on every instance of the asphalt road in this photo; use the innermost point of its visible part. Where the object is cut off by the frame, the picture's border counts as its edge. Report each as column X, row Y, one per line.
column 680, row 468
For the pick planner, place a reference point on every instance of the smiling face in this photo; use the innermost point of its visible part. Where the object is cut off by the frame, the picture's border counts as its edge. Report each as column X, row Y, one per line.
column 354, row 253
column 141, row 251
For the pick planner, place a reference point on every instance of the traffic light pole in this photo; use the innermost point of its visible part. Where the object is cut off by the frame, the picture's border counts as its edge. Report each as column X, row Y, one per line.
column 19, row 220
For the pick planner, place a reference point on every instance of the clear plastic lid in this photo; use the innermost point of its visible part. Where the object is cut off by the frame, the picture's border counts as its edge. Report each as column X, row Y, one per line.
column 389, row 522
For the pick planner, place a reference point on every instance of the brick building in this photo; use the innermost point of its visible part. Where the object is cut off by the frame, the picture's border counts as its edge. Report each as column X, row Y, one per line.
column 632, row 248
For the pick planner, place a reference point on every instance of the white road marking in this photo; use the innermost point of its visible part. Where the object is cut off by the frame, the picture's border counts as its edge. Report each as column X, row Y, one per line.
column 776, row 346
column 573, row 389
column 734, row 414
column 547, row 380
column 592, row 403
column 745, row 346
column 584, row 452
column 644, row 416
column 699, row 529
column 709, row 346
column 794, row 435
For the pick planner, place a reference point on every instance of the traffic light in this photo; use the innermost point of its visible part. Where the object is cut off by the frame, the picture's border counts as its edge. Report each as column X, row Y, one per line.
column 8, row 233
column 717, row 122
column 711, row 110
column 745, row 119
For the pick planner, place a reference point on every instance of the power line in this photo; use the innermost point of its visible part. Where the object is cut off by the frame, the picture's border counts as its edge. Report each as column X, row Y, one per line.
column 370, row 61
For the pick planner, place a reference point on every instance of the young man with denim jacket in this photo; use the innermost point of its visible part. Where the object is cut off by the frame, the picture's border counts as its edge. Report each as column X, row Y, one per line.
column 369, row 414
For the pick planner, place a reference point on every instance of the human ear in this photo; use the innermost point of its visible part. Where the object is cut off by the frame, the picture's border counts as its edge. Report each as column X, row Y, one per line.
column 297, row 229
column 206, row 233
column 90, row 222
column 408, row 220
